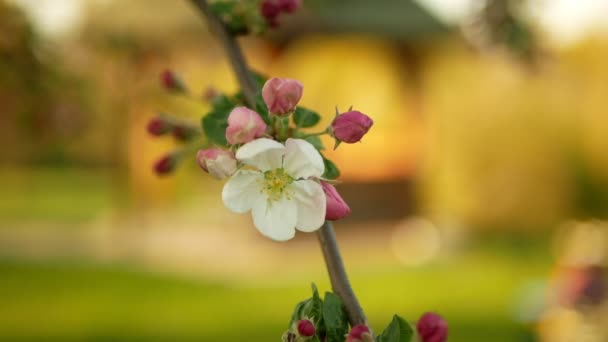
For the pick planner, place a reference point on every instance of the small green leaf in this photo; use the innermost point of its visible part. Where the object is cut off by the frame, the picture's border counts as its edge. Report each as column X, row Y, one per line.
column 222, row 8
column 315, row 141
column 399, row 330
column 215, row 122
column 331, row 170
column 312, row 309
column 260, row 107
column 305, row 117
column 334, row 316
column 259, row 78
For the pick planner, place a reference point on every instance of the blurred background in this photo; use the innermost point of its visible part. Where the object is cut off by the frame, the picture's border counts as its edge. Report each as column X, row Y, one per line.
column 480, row 193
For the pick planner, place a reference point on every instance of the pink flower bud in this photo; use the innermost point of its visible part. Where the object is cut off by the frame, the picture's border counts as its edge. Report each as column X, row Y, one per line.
column 306, row 328
column 270, row 9
column 217, row 162
column 244, row 125
column 359, row 333
column 159, row 126
column 172, row 82
column 289, row 6
column 281, row 95
column 165, row 165
column 336, row 207
column 351, row 126
column 432, row 328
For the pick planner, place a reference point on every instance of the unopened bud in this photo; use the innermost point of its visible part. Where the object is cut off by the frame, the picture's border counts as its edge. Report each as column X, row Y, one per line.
column 289, row 6
column 350, row 127
column 432, row 328
column 166, row 164
column 281, row 95
column 270, row 10
column 336, row 208
column 244, row 125
column 306, row 328
column 217, row 162
column 158, row 126
column 172, row 82
column 359, row 333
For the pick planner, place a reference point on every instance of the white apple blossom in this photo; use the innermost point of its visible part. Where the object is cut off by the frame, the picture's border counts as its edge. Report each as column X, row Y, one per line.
column 279, row 184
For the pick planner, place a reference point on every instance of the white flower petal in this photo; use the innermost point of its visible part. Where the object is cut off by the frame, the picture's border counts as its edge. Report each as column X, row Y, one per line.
column 264, row 154
column 302, row 160
column 310, row 201
column 275, row 219
column 242, row 190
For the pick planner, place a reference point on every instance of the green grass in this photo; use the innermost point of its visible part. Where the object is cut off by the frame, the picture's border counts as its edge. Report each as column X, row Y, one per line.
column 69, row 301
column 66, row 195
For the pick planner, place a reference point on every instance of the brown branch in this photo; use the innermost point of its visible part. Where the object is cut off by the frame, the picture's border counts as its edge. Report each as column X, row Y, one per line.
column 326, row 235
column 232, row 49
column 337, row 274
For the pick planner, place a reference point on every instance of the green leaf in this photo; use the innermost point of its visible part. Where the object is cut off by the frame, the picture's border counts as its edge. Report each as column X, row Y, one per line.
column 312, row 309
column 399, row 330
column 334, row 316
column 305, row 117
column 331, row 170
column 222, row 8
column 216, row 121
column 260, row 107
column 259, row 78
column 315, row 141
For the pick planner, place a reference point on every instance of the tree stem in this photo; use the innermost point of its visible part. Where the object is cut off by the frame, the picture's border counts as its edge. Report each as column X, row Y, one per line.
column 232, row 49
column 337, row 274
column 327, row 238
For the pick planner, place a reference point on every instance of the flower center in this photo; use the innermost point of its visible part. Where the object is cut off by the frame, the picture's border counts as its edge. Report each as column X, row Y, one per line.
column 275, row 183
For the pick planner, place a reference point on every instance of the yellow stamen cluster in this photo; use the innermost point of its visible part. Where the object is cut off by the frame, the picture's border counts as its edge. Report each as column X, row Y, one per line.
column 275, row 184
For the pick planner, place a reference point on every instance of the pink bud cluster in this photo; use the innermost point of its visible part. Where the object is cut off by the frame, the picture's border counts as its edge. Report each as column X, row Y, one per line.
column 271, row 9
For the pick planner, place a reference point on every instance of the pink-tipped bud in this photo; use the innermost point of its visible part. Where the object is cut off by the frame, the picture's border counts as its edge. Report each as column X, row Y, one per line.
column 172, row 82
column 351, row 126
column 432, row 328
column 158, row 126
column 289, row 6
column 270, row 10
column 165, row 165
column 244, row 125
column 281, row 95
column 336, row 208
column 217, row 162
column 359, row 333
column 306, row 328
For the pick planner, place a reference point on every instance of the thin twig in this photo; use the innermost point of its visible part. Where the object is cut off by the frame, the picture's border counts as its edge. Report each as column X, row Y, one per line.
column 337, row 274
column 232, row 49
column 326, row 235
